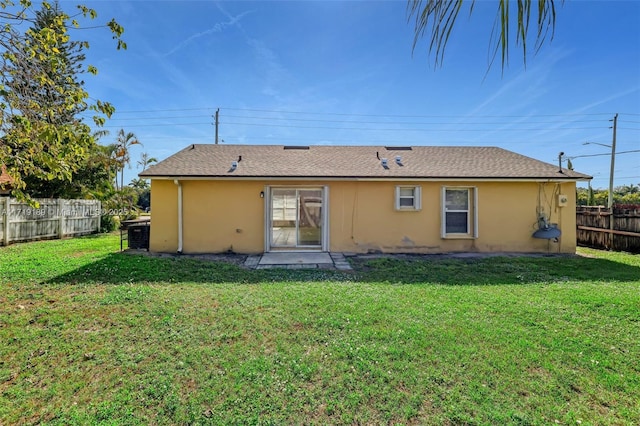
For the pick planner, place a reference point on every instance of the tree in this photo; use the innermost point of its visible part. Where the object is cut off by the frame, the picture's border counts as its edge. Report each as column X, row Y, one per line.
column 145, row 161
column 42, row 137
column 438, row 17
column 625, row 194
column 90, row 175
column 626, row 189
column 143, row 190
column 92, row 179
column 62, row 67
column 124, row 142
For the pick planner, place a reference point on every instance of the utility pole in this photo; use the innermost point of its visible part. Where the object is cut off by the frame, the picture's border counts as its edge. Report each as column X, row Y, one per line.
column 613, row 163
column 216, row 124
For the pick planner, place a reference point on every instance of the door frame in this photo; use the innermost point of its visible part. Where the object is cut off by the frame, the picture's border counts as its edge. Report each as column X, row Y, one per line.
column 268, row 219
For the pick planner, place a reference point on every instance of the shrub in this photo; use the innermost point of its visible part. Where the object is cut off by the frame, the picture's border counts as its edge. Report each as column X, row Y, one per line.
column 109, row 223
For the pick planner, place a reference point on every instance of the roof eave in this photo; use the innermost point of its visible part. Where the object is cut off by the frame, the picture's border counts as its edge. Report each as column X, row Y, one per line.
column 372, row 178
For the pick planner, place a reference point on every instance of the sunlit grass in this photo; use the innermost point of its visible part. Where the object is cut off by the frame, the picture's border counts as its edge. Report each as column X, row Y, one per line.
column 94, row 336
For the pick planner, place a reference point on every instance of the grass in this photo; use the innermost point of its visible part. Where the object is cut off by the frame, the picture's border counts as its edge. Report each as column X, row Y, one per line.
column 93, row 336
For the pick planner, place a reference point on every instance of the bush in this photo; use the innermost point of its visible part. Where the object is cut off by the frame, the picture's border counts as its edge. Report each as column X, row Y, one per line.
column 109, row 223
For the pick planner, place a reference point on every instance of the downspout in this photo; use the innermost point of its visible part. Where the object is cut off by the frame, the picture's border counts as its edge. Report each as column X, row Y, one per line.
column 177, row 182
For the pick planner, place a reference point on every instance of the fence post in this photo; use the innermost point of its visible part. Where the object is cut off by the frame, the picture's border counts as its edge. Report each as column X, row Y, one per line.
column 99, row 210
column 6, row 238
column 60, row 213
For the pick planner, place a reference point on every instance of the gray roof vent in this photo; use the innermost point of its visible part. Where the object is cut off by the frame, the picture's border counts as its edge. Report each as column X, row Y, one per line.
column 234, row 166
column 399, row 161
column 385, row 163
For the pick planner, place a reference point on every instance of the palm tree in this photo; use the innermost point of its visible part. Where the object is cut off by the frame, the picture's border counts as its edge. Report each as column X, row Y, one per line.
column 124, row 141
column 626, row 189
column 437, row 18
column 145, row 161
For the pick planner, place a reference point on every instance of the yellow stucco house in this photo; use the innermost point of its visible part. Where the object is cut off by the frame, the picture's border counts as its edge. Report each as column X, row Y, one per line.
column 420, row 199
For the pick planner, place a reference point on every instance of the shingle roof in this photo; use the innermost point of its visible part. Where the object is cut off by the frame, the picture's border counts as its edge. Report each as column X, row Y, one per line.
column 278, row 161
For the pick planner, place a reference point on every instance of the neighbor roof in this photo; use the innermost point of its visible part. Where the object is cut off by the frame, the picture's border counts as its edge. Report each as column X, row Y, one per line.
column 278, row 161
column 5, row 179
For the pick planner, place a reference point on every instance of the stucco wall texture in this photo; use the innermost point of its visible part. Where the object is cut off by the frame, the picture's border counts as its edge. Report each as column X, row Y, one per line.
column 223, row 215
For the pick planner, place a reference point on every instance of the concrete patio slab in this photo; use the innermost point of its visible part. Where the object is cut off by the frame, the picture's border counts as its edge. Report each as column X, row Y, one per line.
column 289, row 258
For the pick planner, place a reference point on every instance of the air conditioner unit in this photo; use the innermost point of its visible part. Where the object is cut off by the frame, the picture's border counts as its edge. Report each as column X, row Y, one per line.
column 563, row 200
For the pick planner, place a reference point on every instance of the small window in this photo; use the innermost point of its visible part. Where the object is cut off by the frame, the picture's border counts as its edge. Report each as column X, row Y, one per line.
column 459, row 213
column 408, row 198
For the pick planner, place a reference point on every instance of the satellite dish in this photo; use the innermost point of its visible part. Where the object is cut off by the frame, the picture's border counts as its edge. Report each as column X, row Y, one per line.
column 548, row 233
column 546, row 230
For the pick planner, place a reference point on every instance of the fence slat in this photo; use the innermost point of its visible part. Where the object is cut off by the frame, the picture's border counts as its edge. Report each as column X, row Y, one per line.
column 610, row 231
column 617, row 229
column 55, row 218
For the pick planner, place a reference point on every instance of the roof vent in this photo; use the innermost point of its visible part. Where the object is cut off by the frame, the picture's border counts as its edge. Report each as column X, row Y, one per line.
column 385, row 163
column 398, row 148
column 399, row 161
column 234, row 166
column 296, row 147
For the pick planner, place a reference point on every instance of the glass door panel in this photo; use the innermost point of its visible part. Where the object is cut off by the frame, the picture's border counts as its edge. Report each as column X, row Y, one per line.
column 309, row 217
column 296, row 218
column 284, row 214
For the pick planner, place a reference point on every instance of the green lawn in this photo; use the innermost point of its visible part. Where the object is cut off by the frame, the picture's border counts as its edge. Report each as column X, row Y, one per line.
column 92, row 336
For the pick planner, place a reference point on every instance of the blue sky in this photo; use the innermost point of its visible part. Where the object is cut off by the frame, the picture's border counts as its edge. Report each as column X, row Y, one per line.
column 343, row 73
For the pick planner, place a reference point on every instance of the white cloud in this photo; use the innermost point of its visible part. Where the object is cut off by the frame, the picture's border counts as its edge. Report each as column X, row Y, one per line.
column 217, row 28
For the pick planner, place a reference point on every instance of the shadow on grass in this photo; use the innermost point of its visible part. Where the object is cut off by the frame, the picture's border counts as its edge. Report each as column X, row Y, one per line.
column 119, row 268
column 494, row 270
column 122, row 268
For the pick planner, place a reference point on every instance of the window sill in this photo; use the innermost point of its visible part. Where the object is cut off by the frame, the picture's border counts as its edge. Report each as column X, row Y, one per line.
column 458, row 237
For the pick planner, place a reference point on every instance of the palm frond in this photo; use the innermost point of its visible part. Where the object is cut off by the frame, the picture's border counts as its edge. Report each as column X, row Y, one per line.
column 436, row 19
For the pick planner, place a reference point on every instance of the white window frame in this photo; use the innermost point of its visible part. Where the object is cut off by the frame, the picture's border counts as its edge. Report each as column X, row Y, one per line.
column 472, row 212
column 417, row 198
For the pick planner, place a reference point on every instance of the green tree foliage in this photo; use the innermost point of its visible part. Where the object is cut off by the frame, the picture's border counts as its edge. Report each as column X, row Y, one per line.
column 92, row 179
column 143, row 191
column 41, row 136
column 145, row 160
column 437, row 18
column 625, row 194
column 124, row 142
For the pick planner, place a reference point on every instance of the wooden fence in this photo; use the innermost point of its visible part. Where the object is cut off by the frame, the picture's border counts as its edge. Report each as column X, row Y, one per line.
column 55, row 218
column 599, row 227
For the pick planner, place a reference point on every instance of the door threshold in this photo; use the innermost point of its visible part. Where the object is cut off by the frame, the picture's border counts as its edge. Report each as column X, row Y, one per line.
column 295, row 250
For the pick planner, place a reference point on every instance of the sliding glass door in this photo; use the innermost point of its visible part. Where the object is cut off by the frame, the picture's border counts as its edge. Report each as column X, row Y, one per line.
column 296, row 218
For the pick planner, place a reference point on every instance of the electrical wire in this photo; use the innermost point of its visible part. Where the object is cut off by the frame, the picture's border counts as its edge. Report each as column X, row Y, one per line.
column 395, row 129
column 602, row 155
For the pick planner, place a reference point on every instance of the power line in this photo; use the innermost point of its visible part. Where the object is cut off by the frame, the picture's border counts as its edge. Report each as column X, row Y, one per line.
column 160, row 124
column 357, row 115
column 158, row 118
column 602, row 155
column 412, row 116
column 399, row 122
column 164, row 110
column 398, row 129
